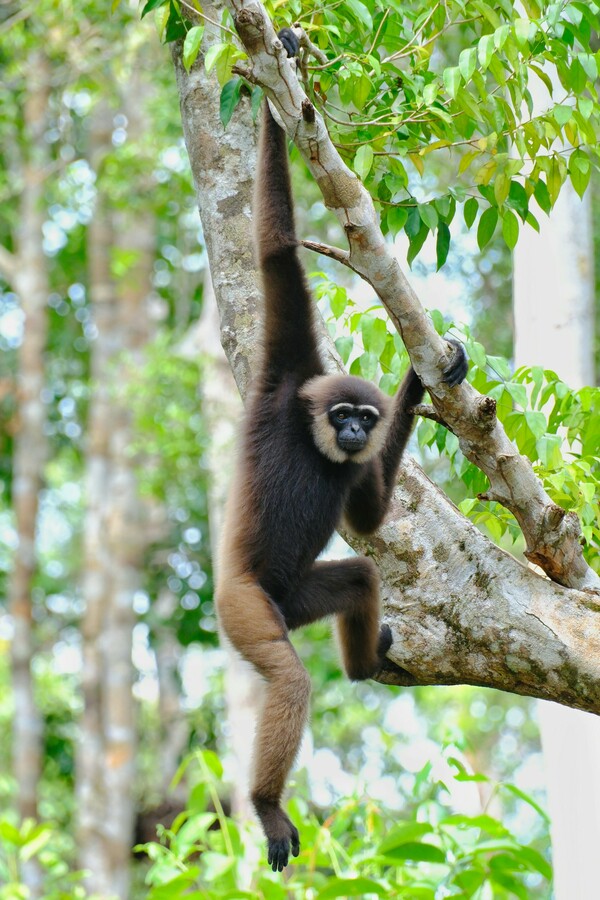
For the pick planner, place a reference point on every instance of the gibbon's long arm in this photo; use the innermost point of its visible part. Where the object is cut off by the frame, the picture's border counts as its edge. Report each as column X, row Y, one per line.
column 369, row 500
column 290, row 339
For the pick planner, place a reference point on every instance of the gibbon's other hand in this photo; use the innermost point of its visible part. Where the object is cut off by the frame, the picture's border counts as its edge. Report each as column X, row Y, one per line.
column 456, row 370
column 290, row 41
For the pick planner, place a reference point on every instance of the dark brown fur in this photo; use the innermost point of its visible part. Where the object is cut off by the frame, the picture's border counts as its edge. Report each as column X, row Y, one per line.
column 291, row 490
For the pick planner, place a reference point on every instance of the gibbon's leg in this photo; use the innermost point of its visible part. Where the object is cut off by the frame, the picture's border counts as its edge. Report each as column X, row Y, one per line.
column 350, row 589
column 256, row 628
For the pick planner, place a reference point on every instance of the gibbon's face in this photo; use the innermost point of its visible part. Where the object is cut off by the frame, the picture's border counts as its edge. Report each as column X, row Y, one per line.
column 353, row 425
column 349, row 417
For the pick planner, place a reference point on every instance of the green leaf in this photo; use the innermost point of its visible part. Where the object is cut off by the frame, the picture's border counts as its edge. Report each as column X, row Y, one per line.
column 442, row 244
column 212, row 55
column 361, row 88
column 368, row 363
column 562, row 114
column 577, row 77
column 338, row 300
column 351, row 887
column 467, row 62
column 417, row 851
column 344, row 347
column 510, row 229
column 230, row 97
column 363, row 161
column 191, row 46
column 396, row 218
column 542, row 196
column 361, row 12
column 416, row 243
column 523, row 28
column 470, row 211
column 428, row 214
column 518, row 392
column 518, row 200
column 485, row 50
column 487, row 226
column 580, row 171
column 476, row 353
column 452, row 79
column 537, row 423
column 555, row 180
column 152, row 4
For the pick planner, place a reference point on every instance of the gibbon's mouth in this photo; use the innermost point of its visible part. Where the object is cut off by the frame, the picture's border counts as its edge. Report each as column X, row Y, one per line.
column 351, row 446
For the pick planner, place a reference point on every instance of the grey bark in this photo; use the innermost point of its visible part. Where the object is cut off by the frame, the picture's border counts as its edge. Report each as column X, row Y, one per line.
column 26, row 271
column 117, row 531
column 461, row 610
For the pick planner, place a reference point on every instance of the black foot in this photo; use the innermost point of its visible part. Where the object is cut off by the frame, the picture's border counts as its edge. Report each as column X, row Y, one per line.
column 289, row 40
column 385, row 642
column 456, row 371
column 279, row 849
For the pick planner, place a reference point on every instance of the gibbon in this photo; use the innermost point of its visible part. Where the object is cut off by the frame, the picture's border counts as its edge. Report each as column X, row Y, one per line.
column 316, row 448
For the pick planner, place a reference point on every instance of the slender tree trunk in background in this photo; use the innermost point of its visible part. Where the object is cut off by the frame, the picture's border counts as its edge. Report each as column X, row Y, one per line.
column 223, row 410
column 117, row 530
column 554, row 327
column 97, row 569
column 174, row 727
column 30, row 451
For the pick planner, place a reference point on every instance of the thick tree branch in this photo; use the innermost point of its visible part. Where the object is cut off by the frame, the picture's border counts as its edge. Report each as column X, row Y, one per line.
column 553, row 541
column 461, row 610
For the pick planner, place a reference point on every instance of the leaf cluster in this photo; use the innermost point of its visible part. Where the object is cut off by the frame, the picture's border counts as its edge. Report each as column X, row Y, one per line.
column 358, row 851
column 505, row 94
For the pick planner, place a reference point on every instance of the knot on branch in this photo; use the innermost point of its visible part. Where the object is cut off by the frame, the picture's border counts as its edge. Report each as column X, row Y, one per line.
column 250, row 24
column 555, row 515
column 486, row 412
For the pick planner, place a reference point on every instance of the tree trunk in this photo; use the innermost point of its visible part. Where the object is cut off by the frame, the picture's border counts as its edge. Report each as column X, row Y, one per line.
column 554, row 327
column 31, row 444
column 222, row 412
column 30, row 449
column 117, row 530
column 97, row 583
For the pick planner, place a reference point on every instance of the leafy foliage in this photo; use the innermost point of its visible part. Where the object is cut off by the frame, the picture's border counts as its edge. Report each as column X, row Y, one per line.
column 358, row 851
column 504, row 93
column 30, row 841
column 555, row 427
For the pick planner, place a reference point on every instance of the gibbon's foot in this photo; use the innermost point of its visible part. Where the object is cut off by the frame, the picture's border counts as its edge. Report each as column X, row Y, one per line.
column 385, row 642
column 361, row 670
column 456, row 371
column 281, row 834
column 279, row 848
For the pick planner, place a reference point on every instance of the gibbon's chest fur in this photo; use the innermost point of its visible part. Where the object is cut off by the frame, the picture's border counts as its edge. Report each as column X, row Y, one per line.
column 296, row 494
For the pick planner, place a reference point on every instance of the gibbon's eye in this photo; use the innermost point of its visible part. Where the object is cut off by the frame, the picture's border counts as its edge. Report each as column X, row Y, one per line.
column 366, row 417
column 341, row 416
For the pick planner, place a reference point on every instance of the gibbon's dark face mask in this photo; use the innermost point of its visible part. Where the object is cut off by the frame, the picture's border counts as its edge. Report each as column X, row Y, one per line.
column 352, row 425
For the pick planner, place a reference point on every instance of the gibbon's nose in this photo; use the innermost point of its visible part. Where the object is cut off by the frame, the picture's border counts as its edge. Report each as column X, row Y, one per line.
column 355, row 427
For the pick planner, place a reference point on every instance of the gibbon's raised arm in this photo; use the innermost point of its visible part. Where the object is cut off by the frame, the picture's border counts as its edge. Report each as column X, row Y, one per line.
column 290, row 339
